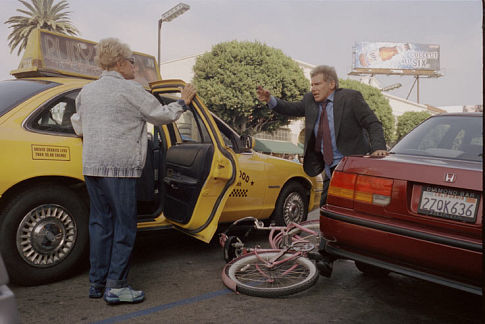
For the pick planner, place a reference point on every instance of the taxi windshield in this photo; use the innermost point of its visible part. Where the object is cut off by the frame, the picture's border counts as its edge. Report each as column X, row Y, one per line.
column 14, row 92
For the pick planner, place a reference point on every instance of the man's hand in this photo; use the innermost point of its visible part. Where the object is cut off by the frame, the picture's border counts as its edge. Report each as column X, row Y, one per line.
column 379, row 153
column 263, row 94
column 188, row 93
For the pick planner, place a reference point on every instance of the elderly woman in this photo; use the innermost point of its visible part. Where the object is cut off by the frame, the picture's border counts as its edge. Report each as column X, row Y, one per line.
column 111, row 117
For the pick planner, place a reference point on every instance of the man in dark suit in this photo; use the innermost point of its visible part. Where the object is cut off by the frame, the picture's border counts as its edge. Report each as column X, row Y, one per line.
column 347, row 126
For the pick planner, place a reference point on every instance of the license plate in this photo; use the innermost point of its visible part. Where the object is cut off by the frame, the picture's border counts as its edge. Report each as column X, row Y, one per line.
column 449, row 203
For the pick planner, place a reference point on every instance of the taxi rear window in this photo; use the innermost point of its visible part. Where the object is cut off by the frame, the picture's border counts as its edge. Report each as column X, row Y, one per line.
column 13, row 92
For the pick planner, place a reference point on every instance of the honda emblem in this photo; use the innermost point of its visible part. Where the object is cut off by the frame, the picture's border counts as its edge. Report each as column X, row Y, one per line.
column 450, row 177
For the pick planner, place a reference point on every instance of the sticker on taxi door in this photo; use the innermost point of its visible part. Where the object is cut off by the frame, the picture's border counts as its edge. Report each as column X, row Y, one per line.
column 51, row 152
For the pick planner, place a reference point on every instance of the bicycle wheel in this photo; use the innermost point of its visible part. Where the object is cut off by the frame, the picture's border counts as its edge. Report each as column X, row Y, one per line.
column 249, row 275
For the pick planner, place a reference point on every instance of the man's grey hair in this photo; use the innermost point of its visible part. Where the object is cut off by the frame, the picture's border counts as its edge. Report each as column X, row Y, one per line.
column 329, row 73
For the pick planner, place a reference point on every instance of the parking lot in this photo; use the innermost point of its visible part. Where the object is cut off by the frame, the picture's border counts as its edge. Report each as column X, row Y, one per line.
column 181, row 278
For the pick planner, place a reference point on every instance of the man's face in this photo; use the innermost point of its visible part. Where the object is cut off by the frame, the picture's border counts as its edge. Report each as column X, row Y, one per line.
column 321, row 89
column 126, row 67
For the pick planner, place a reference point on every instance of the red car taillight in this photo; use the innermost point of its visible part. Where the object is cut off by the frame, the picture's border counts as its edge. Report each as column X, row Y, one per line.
column 342, row 185
column 373, row 190
column 360, row 188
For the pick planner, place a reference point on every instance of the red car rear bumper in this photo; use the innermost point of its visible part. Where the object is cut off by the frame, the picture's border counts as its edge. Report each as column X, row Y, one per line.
column 444, row 260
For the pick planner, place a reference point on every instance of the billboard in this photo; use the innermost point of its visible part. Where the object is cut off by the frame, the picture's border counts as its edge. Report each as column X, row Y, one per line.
column 396, row 56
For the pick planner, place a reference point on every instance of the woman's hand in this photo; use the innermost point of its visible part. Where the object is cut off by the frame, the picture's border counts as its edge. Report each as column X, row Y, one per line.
column 188, row 93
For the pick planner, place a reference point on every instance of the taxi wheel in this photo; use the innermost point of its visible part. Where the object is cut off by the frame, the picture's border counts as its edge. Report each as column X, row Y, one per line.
column 44, row 234
column 291, row 206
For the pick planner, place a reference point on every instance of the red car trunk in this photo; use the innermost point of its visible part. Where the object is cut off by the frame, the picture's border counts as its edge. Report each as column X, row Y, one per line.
column 416, row 212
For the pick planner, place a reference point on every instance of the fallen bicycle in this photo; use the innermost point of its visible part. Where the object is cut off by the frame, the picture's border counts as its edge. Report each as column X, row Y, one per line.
column 283, row 269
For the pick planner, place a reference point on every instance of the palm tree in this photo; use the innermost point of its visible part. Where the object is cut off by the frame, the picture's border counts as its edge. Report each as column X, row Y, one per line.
column 40, row 14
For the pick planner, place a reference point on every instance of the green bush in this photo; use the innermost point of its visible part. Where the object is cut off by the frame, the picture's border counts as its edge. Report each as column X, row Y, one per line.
column 227, row 78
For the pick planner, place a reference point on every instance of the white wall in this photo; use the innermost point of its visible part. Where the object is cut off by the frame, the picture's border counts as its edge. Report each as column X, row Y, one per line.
column 400, row 106
column 179, row 69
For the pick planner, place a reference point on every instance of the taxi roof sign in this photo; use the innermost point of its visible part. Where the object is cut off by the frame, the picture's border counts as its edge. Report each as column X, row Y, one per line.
column 54, row 54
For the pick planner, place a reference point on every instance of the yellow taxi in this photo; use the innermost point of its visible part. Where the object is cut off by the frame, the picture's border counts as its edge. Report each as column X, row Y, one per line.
column 199, row 172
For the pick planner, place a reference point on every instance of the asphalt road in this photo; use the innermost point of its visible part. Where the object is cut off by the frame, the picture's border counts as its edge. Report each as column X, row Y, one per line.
column 181, row 278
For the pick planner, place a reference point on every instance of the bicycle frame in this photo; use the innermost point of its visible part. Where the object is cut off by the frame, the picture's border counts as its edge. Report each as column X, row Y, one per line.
column 283, row 235
column 278, row 235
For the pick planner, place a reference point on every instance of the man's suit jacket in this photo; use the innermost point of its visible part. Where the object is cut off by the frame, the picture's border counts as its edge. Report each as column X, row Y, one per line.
column 355, row 124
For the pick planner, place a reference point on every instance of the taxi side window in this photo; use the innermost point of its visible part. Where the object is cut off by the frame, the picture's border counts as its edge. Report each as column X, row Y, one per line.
column 228, row 135
column 227, row 141
column 56, row 115
column 189, row 126
column 192, row 129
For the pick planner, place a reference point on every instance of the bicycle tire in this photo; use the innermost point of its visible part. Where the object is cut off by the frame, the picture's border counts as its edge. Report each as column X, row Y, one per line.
column 242, row 275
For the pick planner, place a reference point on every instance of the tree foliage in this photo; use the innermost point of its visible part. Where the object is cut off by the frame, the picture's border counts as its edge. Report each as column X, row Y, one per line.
column 39, row 14
column 227, row 78
column 409, row 120
column 378, row 103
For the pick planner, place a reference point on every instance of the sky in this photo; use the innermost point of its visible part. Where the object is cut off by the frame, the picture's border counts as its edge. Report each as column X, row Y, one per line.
column 313, row 31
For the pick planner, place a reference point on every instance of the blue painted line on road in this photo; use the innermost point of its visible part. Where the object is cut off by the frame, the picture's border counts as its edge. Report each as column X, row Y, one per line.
column 159, row 308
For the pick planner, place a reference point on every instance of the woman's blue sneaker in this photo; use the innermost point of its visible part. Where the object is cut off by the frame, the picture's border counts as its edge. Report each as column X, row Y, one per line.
column 123, row 295
column 96, row 291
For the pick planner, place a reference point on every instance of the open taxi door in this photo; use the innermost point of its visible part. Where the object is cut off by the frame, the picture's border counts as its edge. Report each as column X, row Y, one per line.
column 199, row 171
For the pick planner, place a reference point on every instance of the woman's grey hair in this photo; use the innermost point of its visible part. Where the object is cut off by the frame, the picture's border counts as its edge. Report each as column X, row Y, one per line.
column 329, row 73
column 109, row 51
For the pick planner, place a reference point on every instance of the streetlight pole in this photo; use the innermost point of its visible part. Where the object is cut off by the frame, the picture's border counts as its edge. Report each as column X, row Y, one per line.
column 168, row 16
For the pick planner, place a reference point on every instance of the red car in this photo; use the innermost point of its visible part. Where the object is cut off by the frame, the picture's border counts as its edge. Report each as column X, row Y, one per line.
column 418, row 211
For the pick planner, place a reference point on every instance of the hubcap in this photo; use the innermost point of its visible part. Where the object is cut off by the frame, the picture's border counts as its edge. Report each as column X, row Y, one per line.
column 293, row 208
column 46, row 235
